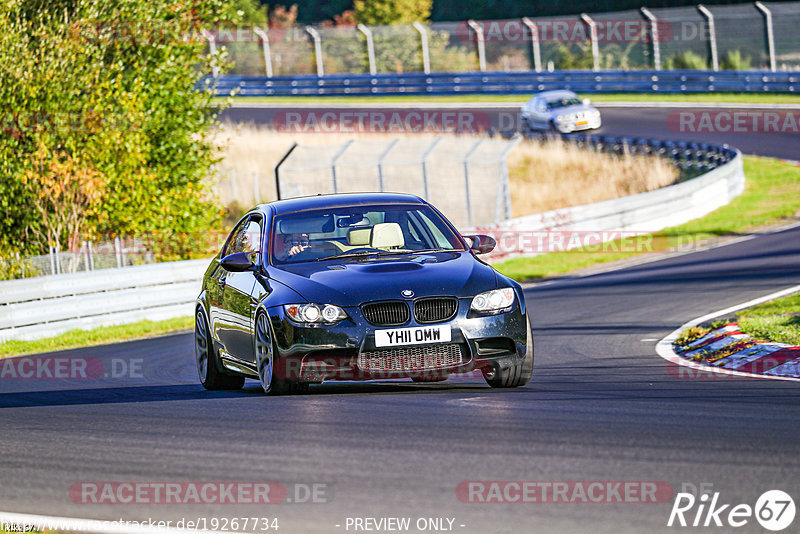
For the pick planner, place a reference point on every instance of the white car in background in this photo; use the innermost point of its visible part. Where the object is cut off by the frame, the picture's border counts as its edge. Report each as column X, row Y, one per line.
column 559, row 111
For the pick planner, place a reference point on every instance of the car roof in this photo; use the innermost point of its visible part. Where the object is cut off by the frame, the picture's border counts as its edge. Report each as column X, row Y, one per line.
column 339, row 200
column 561, row 93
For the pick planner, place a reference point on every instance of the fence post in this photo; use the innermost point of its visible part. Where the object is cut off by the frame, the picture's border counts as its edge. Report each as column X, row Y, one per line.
column 91, row 256
column 370, row 48
column 118, row 251
column 212, row 48
column 380, row 163
column 593, row 39
column 712, row 35
column 467, row 196
column 277, row 170
column 504, row 194
column 333, row 163
column 654, row 32
column 426, row 53
column 52, row 260
column 317, row 49
column 425, row 166
column 770, row 35
column 85, row 247
column 264, row 36
column 536, row 49
column 481, row 43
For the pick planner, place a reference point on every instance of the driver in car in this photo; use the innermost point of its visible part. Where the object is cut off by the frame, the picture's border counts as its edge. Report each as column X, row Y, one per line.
column 291, row 244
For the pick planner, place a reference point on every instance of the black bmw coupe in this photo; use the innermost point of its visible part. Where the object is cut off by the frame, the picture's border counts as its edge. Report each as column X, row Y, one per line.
column 356, row 287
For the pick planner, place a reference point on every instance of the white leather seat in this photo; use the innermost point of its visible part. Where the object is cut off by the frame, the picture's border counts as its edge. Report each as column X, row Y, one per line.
column 359, row 236
column 387, row 235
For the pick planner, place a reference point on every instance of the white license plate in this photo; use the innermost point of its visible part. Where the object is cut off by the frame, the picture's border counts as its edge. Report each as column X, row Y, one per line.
column 418, row 335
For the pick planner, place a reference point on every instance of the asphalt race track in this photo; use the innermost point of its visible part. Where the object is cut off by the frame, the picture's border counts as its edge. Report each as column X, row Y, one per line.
column 658, row 122
column 602, row 406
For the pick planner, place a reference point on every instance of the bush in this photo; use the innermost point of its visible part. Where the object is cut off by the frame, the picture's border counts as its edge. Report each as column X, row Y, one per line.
column 13, row 267
column 686, row 60
column 101, row 93
column 733, row 60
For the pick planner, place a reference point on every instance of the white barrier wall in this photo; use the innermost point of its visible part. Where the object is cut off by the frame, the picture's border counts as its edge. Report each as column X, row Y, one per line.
column 33, row 308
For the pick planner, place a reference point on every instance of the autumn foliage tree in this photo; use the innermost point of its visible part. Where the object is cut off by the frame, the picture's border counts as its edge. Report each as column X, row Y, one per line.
column 103, row 129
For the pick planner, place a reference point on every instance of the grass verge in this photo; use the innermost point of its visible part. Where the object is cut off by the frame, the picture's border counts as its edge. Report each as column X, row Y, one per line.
column 772, row 195
column 98, row 336
column 733, row 98
column 777, row 320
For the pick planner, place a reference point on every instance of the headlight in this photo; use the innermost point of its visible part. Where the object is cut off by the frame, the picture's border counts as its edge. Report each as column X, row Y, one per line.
column 314, row 313
column 492, row 301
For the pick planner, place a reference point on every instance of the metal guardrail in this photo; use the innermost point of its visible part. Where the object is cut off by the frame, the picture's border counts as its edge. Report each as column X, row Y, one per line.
column 50, row 305
column 580, row 81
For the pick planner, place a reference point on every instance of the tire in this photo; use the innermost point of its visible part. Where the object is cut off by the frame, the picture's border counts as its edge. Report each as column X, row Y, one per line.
column 265, row 362
column 209, row 368
column 518, row 374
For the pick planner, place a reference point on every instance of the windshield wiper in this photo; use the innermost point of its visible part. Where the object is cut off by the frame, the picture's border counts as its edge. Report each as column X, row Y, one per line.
column 359, row 254
column 379, row 253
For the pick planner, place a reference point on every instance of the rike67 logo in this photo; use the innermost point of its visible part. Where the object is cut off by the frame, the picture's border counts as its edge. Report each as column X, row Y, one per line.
column 774, row 510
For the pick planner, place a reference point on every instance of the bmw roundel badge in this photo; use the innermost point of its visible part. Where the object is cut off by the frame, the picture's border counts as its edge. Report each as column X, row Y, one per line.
column 407, row 293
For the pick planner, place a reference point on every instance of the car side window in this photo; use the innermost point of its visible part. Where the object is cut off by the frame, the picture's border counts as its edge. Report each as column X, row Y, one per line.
column 246, row 237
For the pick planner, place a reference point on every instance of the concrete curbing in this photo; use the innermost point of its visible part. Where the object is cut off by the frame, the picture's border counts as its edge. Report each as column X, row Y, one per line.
column 755, row 359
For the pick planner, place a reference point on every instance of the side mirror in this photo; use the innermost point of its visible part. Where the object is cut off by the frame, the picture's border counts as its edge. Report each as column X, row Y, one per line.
column 238, row 262
column 481, row 244
column 587, row 102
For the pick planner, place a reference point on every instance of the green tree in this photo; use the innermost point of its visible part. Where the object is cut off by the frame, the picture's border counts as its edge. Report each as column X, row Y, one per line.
column 103, row 92
column 380, row 12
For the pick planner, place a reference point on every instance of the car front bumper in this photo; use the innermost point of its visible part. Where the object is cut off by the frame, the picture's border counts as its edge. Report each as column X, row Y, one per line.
column 347, row 351
column 577, row 126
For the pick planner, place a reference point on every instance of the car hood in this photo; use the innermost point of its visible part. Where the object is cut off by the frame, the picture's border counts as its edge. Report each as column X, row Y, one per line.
column 352, row 282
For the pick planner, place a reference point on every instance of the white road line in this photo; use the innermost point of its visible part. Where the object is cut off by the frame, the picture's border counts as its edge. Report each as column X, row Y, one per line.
column 664, row 347
column 73, row 524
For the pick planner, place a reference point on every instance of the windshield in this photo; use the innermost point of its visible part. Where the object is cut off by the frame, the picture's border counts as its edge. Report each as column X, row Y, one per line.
column 363, row 231
column 563, row 102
